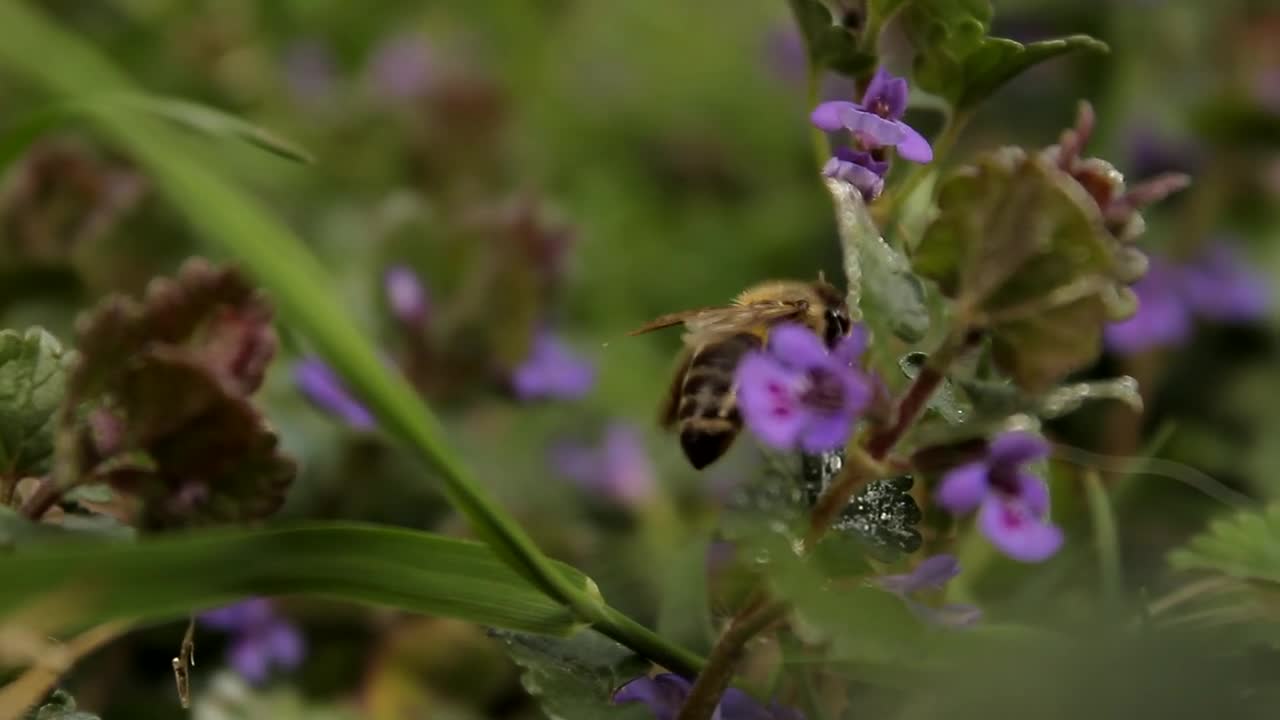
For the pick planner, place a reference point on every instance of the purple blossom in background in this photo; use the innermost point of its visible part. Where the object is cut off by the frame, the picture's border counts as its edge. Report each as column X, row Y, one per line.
column 859, row 169
column 877, row 120
column 322, row 386
column 1012, row 504
column 260, row 639
column 665, row 694
column 618, row 470
column 1217, row 285
column 1162, row 318
column 401, row 67
column 797, row 394
column 406, row 296
column 1220, row 286
column 552, row 370
column 931, row 574
column 309, row 71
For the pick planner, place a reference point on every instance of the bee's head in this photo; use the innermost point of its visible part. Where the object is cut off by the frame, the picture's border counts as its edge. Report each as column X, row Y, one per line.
column 835, row 323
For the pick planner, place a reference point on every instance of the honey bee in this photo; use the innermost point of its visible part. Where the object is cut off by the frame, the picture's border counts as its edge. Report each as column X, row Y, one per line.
column 702, row 400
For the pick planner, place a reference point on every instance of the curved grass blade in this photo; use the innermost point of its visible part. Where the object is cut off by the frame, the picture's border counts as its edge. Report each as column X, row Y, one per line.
column 165, row 578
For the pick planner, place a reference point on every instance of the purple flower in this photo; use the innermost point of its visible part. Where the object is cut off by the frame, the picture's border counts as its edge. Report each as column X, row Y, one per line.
column 552, row 371
column 1220, row 286
column 665, row 694
column 931, row 574
column 797, row 394
column 322, row 386
column 619, row 470
column 260, row 640
column 859, row 169
column 1012, row 504
column 402, row 67
column 1162, row 318
column 1217, row 285
column 406, row 296
column 877, row 120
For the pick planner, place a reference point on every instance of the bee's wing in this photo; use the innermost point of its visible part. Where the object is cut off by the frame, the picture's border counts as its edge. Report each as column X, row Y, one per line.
column 713, row 321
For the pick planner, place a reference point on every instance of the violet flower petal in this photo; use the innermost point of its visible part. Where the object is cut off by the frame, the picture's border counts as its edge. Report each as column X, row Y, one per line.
column 1016, row 531
column 552, row 370
column 322, row 386
column 827, row 116
column 913, row 146
column 1017, row 448
column 249, row 659
column 663, row 694
column 872, row 129
column 851, row 348
column 888, row 90
column 963, row 488
column 283, row 643
column 406, row 295
column 1163, row 318
column 768, row 399
column 1034, row 493
column 796, row 346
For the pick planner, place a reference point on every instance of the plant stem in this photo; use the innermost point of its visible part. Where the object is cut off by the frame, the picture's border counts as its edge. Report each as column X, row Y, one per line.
column 8, row 483
column 616, row 625
column 710, row 685
column 888, row 217
column 817, row 138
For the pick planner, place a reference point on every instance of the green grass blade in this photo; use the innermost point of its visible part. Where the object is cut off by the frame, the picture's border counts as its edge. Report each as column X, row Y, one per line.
column 167, row 577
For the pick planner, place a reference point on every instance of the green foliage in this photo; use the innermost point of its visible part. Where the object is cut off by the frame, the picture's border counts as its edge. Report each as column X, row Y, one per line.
column 830, row 44
column 1023, row 250
column 684, row 614
column 165, row 382
column 574, row 678
column 168, row 577
column 957, row 60
column 1231, row 121
column 16, row 530
column 880, row 282
column 32, row 372
column 1245, row 546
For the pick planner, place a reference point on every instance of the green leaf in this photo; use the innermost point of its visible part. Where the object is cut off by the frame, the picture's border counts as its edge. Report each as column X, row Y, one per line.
column 32, row 373
column 16, row 530
column 999, row 60
column 215, row 123
column 574, row 678
column 1245, row 546
column 957, row 60
column 167, row 577
column 1024, row 251
column 880, row 282
column 829, row 44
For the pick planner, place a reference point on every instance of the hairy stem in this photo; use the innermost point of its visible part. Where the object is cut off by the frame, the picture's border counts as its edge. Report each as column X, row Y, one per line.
column 647, row 643
column 710, row 685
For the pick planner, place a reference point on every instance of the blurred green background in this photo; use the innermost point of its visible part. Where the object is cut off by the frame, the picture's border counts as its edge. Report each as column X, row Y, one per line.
column 579, row 167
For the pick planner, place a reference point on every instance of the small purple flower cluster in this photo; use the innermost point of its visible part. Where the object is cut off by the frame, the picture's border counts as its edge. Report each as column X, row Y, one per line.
column 260, row 638
column 874, row 123
column 931, row 574
column 665, row 694
column 1012, row 504
column 798, row 395
column 618, row 470
column 552, row 371
column 1216, row 286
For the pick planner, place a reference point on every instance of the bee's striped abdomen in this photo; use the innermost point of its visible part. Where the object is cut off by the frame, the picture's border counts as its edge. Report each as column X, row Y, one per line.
column 707, row 411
